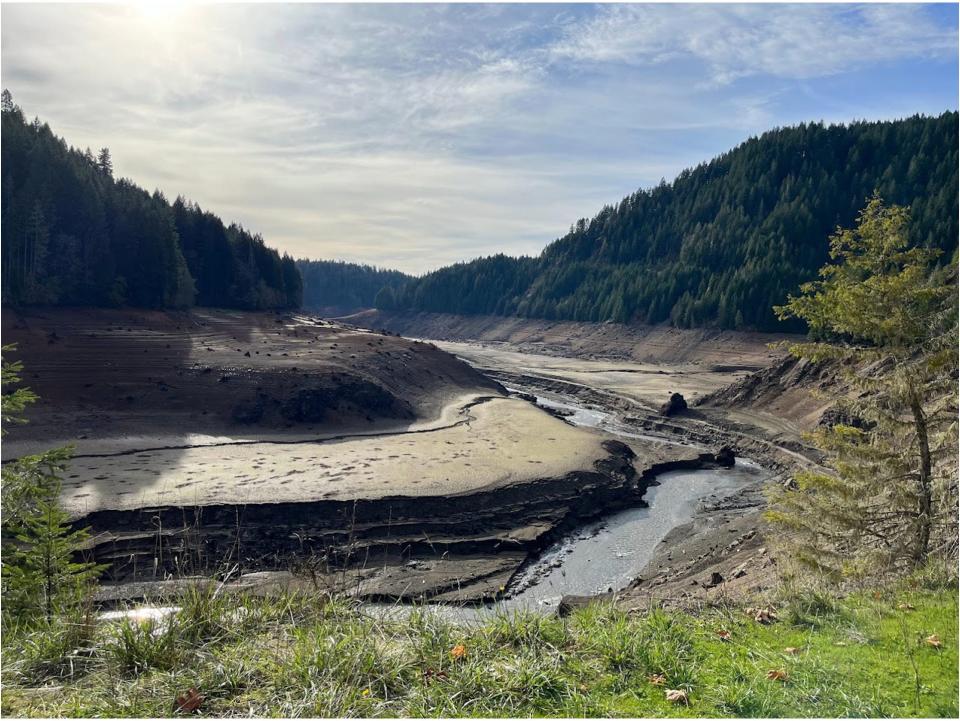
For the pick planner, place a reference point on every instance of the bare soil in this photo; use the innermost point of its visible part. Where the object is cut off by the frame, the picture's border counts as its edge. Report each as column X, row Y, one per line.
column 115, row 373
column 721, row 350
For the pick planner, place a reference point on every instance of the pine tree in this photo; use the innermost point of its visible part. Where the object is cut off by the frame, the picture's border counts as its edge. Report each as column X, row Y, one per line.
column 889, row 320
column 39, row 573
column 39, row 570
column 104, row 162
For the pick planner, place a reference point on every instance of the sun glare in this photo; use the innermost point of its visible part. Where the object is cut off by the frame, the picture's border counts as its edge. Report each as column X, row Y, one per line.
column 160, row 11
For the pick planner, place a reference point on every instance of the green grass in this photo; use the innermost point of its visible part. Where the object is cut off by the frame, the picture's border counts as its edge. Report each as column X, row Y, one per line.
column 299, row 656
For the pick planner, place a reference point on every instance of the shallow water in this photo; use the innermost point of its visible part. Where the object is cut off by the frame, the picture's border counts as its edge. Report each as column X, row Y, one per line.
column 609, row 554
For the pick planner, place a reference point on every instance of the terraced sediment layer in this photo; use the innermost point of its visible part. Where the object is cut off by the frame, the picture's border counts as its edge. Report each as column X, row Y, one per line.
column 371, row 456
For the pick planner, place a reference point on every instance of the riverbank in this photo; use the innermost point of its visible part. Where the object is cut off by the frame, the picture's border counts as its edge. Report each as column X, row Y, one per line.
column 889, row 652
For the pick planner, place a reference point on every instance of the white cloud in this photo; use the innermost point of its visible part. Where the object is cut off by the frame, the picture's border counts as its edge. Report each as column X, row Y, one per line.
column 790, row 41
column 420, row 135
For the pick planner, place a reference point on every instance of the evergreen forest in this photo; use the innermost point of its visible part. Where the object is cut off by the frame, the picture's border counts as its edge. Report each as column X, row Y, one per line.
column 725, row 241
column 74, row 234
column 334, row 284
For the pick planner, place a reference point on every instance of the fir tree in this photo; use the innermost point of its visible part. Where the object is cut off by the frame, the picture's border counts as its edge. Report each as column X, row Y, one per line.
column 888, row 318
column 40, row 574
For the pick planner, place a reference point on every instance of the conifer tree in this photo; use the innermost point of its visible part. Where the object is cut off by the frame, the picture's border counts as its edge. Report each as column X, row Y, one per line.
column 888, row 318
column 40, row 575
column 104, row 162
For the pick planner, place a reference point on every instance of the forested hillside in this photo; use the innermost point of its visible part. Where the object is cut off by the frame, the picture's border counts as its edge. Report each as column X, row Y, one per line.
column 725, row 241
column 346, row 286
column 73, row 234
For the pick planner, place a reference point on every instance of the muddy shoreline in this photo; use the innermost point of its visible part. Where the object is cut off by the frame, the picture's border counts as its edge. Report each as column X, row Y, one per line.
column 404, row 548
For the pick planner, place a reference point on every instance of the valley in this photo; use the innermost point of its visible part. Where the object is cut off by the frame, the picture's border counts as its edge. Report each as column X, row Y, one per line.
column 356, row 460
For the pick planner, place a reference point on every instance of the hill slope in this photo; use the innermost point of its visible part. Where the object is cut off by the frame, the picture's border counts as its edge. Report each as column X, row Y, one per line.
column 345, row 287
column 75, row 235
column 725, row 241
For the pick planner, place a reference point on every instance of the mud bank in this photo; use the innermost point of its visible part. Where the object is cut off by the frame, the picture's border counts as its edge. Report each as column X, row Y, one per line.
column 461, row 547
column 103, row 373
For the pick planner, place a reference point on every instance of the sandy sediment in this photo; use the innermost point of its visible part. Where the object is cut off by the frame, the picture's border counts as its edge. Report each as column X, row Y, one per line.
column 491, row 442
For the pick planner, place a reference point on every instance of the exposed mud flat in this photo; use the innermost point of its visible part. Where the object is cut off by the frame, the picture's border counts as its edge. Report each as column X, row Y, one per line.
column 382, row 466
column 649, row 383
column 494, row 442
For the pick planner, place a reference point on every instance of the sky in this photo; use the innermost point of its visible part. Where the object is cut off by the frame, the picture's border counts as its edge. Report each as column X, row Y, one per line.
column 414, row 136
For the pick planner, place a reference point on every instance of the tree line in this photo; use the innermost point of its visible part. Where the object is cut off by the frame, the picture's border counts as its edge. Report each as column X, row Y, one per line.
column 73, row 234
column 725, row 241
column 346, row 286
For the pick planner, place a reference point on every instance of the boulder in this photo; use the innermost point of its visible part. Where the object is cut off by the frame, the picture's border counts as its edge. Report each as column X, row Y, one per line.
column 570, row 603
column 676, row 404
column 725, row 457
column 715, row 580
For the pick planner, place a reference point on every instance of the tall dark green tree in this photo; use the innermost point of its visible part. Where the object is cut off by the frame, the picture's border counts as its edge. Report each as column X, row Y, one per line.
column 41, row 575
column 888, row 317
column 75, row 235
column 725, row 241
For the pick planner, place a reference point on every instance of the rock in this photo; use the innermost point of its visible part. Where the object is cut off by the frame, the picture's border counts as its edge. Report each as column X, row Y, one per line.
column 839, row 416
column 715, row 580
column 676, row 404
column 725, row 457
column 569, row 604
column 740, row 571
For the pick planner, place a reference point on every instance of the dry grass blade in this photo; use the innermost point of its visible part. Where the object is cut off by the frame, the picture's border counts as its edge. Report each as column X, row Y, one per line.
column 677, row 696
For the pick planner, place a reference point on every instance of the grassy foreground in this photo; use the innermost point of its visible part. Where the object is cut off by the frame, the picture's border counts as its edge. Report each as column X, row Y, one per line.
column 870, row 654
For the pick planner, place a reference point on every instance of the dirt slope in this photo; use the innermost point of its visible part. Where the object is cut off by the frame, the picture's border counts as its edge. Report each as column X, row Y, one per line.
column 652, row 344
column 107, row 373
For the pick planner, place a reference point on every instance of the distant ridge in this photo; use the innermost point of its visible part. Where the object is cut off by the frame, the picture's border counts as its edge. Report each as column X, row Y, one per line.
column 725, row 241
column 334, row 285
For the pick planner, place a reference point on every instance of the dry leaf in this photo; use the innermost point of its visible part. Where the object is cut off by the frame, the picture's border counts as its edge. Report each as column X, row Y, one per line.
column 657, row 679
column 933, row 640
column 777, row 674
column 429, row 674
column 762, row 615
column 723, row 635
column 677, row 696
column 791, row 650
column 905, row 606
column 459, row 651
column 188, row 702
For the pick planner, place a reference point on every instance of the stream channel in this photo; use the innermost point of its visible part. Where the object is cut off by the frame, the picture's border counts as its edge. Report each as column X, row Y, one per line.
column 604, row 555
